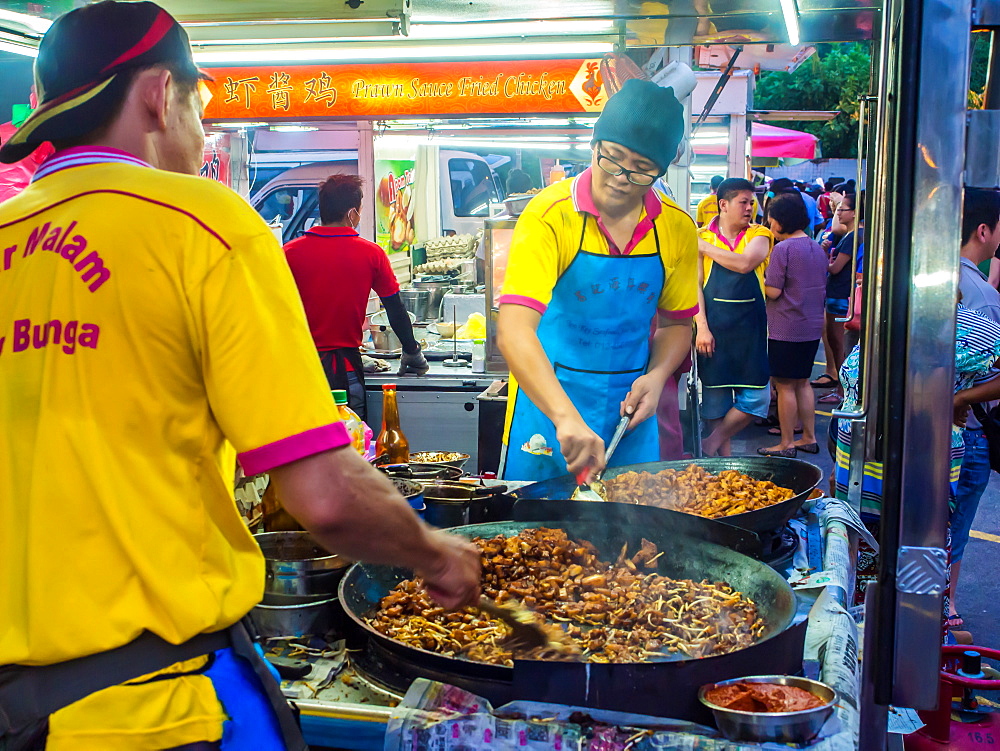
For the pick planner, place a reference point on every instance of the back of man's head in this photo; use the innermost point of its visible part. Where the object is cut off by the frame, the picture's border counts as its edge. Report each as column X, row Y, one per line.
column 733, row 186
column 716, row 182
column 518, row 181
column 979, row 207
column 86, row 63
column 781, row 185
column 338, row 194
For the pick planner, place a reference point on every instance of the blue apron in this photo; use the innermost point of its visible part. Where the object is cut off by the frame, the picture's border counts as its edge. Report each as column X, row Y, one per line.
column 596, row 334
column 737, row 317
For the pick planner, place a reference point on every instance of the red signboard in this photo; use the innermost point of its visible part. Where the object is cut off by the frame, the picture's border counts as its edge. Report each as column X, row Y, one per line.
column 389, row 90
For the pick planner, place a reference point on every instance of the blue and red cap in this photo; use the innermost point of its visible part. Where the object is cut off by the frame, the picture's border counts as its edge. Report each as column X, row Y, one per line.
column 81, row 72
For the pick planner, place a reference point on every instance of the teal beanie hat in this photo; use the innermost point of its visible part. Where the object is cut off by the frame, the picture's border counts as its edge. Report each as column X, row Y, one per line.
column 646, row 118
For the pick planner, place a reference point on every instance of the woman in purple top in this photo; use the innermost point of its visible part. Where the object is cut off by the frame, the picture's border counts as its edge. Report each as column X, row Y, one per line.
column 795, row 285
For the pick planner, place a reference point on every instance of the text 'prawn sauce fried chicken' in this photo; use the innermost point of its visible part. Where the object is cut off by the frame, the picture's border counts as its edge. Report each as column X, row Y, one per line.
column 610, row 612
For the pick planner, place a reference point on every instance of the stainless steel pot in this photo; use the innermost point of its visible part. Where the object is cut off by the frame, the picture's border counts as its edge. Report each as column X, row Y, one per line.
column 294, row 564
column 457, row 504
column 385, row 339
column 437, row 290
column 447, row 505
column 416, row 301
column 309, row 619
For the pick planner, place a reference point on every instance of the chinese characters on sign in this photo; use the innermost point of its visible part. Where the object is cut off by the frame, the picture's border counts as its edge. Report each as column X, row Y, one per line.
column 242, row 86
column 280, row 90
column 321, row 89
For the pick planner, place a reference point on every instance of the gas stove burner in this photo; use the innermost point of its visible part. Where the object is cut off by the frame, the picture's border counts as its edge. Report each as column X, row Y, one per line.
column 778, row 547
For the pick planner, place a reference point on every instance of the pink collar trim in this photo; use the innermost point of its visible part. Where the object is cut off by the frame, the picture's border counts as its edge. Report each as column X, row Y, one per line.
column 80, row 156
column 583, row 200
column 714, row 227
column 583, row 196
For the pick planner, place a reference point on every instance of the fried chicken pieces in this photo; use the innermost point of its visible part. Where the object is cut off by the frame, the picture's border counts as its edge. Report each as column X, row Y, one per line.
column 696, row 491
column 613, row 612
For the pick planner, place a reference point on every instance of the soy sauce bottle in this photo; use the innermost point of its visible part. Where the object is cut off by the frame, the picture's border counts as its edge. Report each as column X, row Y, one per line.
column 391, row 441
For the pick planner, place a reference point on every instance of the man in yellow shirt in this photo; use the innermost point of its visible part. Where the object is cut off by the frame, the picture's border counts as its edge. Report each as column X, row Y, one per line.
column 732, row 321
column 149, row 326
column 708, row 207
column 598, row 297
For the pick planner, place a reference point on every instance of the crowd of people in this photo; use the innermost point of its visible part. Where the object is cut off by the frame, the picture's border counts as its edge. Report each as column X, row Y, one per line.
column 800, row 260
column 776, row 282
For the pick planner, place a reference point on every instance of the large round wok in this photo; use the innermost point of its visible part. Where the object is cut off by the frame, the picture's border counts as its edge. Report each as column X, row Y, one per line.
column 795, row 474
column 666, row 688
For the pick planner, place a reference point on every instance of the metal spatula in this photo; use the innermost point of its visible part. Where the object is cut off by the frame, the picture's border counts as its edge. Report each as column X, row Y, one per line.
column 525, row 632
column 595, row 490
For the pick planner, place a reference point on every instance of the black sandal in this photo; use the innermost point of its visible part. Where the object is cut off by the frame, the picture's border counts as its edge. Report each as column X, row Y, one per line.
column 825, row 381
column 785, row 453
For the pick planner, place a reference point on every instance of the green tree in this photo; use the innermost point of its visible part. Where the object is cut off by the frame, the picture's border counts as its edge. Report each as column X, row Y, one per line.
column 832, row 79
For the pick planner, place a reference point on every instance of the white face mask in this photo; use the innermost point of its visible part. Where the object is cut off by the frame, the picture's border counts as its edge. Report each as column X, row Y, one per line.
column 354, row 224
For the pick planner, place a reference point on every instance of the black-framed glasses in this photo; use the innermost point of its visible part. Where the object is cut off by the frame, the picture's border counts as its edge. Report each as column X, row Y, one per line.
column 613, row 168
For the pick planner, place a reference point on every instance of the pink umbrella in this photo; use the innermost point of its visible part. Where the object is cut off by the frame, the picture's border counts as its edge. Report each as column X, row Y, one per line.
column 770, row 141
column 15, row 177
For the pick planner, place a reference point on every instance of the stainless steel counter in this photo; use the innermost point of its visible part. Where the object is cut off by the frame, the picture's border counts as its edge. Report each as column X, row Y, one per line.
column 438, row 411
column 438, row 375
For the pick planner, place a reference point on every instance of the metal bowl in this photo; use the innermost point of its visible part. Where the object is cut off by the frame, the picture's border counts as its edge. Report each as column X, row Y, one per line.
column 420, row 458
column 314, row 618
column 295, row 564
column 411, row 490
column 422, row 472
column 780, row 727
column 517, row 202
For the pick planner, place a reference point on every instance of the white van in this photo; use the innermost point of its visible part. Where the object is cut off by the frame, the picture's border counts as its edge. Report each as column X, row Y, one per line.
column 467, row 185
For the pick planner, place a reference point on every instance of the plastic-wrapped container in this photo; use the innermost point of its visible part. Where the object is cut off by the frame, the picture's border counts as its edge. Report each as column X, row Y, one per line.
column 355, row 425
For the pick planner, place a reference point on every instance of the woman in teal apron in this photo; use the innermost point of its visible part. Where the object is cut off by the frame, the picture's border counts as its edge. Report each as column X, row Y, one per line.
column 736, row 312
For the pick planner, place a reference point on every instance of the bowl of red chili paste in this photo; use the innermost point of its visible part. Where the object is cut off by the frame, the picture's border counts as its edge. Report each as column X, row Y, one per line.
column 779, row 708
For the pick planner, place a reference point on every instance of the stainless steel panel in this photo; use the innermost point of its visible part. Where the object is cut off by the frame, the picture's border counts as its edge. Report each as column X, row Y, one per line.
column 982, row 155
column 435, row 420
column 929, row 331
column 921, row 571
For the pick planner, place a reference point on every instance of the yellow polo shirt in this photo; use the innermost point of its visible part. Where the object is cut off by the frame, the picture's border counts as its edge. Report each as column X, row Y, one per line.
column 708, row 209
column 548, row 236
column 149, row 326
column 711, row 234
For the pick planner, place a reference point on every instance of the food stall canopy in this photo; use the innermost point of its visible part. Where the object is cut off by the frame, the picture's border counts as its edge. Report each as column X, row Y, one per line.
column 770, row 141
column 255, row 31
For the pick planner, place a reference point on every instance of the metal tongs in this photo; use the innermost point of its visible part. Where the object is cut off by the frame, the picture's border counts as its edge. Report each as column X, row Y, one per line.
column 595, row 490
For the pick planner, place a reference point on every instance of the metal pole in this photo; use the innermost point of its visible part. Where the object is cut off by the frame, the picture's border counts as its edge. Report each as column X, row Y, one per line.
column 719, row 86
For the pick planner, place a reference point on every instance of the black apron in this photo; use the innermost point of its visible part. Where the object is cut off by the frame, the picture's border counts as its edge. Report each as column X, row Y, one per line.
column 29, row 694
column 335, row 366
column 737, row 317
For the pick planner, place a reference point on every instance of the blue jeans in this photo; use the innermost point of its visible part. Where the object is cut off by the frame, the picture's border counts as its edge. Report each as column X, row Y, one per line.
column 972, row 484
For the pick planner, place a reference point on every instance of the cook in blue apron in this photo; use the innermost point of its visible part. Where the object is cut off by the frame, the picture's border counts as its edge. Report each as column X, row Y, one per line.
column 598, row 344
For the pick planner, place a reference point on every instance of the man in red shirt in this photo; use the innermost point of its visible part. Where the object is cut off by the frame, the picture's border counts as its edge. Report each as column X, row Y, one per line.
column 335, row 269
